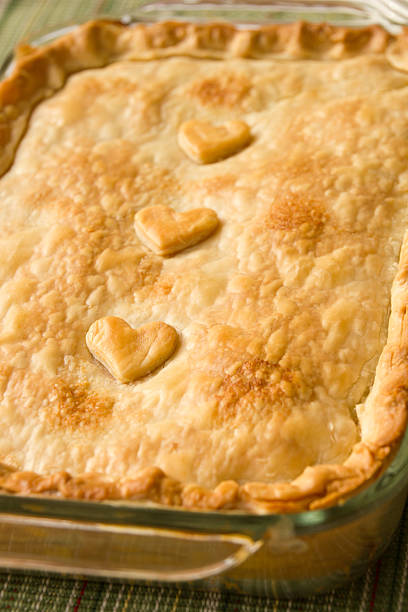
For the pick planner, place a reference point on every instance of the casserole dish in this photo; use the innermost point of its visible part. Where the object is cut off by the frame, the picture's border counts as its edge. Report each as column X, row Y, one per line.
column 250, row 542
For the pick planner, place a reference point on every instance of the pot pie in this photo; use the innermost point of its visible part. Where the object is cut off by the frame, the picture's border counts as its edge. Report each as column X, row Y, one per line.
column 204, row 269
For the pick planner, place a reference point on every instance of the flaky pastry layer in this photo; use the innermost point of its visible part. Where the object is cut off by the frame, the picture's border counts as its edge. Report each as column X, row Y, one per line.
column 288, row 389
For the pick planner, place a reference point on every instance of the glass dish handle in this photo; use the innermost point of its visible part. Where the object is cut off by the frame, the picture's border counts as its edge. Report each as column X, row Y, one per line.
column 139, row 553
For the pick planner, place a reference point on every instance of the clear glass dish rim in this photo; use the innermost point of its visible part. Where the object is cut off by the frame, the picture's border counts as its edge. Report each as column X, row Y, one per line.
column 391, row 14
column 135, row 513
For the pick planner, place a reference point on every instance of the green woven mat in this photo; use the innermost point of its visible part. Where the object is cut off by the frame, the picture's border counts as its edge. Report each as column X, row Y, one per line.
column 384, row 587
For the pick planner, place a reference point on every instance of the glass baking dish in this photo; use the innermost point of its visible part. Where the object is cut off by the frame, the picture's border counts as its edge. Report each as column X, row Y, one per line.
column 284, row 555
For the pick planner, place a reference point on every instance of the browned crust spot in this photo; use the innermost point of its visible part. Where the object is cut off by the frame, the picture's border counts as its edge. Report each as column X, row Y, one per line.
column 292, row 212
column 258, row 382
column 228, row 91
column 73, row 406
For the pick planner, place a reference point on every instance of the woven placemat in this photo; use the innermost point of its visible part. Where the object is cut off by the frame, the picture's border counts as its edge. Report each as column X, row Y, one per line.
column 385, row 585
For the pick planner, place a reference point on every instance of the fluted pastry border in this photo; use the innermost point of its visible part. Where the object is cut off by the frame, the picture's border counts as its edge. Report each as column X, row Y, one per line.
column 39, row 72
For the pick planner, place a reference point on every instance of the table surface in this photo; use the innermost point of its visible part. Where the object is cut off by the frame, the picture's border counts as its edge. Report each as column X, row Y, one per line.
column 385, row 585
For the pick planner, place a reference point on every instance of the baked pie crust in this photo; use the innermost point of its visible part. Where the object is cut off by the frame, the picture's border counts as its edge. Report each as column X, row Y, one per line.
column 284, row 386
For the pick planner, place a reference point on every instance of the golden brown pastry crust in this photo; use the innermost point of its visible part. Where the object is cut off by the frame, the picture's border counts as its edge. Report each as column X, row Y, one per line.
column 41, row 72
column 38, row 74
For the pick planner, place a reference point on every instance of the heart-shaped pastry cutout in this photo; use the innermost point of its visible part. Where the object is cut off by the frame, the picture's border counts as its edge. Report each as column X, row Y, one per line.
column 206, row 143
column 166, row 231
column 130, row 353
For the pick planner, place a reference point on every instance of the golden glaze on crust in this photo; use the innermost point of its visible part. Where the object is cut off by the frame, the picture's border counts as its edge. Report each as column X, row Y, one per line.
column 288, row 387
